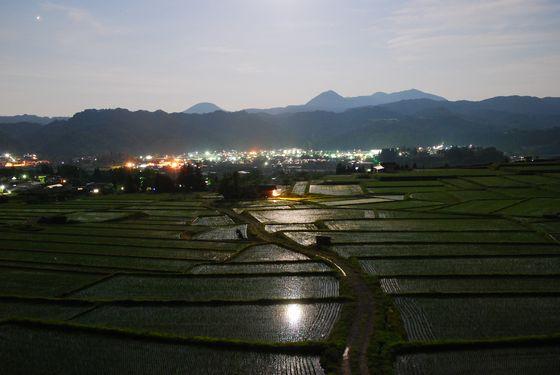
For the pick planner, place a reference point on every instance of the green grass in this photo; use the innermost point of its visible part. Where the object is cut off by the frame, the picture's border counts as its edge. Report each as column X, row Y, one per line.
column 525, row 193
column 403, row 183
column 495, row 182
column 459, row 183
column 404, row 189
column 470, row 195
column 533, row 207
column 480, row 206
column 397, row 205
column 436, row 196
column 533, row 179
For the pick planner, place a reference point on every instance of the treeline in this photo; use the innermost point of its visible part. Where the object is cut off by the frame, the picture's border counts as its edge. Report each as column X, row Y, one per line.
column 185, row 179
column 451, row 157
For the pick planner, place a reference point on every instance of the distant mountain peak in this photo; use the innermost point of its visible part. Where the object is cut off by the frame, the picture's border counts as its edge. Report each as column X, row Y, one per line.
column 327, row 99
column 204, row 107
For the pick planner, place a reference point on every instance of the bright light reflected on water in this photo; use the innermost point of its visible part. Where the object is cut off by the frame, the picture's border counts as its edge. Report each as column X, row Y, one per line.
column 294, row 314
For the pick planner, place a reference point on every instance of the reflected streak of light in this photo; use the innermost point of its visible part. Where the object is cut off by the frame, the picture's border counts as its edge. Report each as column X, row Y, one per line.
column 294, row 313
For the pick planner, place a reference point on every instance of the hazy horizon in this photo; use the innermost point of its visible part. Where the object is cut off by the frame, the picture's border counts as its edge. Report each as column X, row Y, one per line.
column 60, row 57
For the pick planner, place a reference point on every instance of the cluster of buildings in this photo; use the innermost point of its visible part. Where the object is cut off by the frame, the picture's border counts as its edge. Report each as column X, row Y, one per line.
column 8, row 160
column 292, row 159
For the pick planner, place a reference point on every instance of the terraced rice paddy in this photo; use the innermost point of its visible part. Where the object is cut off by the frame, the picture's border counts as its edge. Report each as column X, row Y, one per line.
column 478, row 317
column 299, row 188
column 438, row 249
column 467, row 255
column 349, row 202
column 470, row 284
column 186, row 288
column 502, row 361
column 23, row 347
column 310, row 215
column 309, row 238
column 42, row 283
column 41, row 309
column 335, row 189
column 273, row 228
column 462, row 255
column 541, row 265
column 183, row 268
column 285, row 322
column 212, row 221
column 268, row 253
column 228, row 232
column 254, row 268
column 426, row 225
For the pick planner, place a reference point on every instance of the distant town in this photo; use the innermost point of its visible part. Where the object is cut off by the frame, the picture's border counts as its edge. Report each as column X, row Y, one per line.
column 151, row 172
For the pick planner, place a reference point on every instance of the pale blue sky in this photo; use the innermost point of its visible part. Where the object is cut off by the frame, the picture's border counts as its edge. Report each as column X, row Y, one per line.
column 170, row 54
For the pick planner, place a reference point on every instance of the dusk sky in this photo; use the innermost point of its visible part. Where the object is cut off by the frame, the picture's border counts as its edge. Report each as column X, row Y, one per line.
column 59, row 57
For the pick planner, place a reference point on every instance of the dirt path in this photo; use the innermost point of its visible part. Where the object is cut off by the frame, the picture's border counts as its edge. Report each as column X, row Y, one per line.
column 361, row 329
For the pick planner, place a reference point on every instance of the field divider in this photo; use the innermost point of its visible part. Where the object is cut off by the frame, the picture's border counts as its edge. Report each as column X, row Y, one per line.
column 413, row 347
column 48, row 269
column 2, row 248
column 463, row 276
column 335, row 243
column 135, row 245
column 497, row 211
column 82, row 287
column 461, row 256
column 116, row 236
column 100, row 268
column 477, row 294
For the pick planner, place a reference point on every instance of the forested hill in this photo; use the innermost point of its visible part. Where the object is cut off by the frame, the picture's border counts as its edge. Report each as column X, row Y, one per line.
column 509, row 123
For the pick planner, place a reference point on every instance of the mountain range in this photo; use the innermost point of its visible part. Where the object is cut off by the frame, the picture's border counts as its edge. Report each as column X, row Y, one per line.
column 512, row 123
column 333, row 102
column 29, row 118
column 329, row 101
